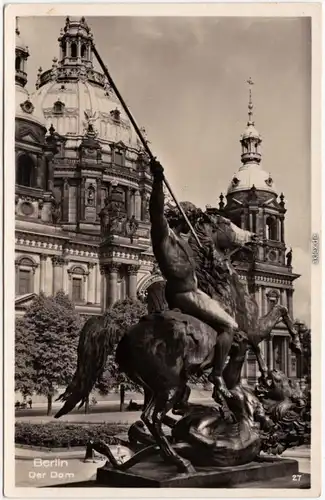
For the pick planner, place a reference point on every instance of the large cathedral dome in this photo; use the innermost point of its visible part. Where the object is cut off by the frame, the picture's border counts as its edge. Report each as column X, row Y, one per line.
column 73, row 94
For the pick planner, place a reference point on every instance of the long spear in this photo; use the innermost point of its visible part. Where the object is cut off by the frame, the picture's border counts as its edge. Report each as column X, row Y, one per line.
column 142, row 139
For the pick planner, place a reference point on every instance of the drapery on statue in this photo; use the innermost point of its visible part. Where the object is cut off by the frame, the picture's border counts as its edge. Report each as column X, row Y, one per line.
column 166, row 347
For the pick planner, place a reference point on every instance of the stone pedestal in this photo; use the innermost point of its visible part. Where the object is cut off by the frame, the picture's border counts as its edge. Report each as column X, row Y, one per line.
column 154, row 473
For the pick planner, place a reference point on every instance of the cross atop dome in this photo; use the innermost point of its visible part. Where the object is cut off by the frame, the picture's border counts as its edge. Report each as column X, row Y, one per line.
column 250, row 102
column 251, row 139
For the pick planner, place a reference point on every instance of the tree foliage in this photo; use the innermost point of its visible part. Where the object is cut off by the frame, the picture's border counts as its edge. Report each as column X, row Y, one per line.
column 24, row 370
column 51, row 326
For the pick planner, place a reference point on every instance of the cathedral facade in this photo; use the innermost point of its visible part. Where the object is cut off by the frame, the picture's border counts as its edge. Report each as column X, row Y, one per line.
column 82, row 193
column 82, row 184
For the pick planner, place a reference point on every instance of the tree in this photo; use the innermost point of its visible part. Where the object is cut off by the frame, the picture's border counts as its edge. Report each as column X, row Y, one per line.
column 24, row 370
column 53, row 326
column 119, row 318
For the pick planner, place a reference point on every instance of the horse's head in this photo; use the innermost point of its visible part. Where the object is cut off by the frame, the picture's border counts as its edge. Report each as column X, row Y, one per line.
column 226, row 235
column 176, row 219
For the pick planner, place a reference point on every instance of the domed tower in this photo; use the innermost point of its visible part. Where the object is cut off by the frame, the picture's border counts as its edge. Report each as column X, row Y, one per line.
column 252, row 203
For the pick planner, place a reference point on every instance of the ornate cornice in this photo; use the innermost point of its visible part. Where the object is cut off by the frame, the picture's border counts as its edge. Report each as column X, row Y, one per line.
column 125, row 255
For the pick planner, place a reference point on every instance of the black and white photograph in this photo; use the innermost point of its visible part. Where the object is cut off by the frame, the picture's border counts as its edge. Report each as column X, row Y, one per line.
column 162, row 282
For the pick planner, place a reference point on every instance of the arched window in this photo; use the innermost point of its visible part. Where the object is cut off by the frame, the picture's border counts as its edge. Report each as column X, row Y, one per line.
column 25, row 171
column 58, row 107
column 17, row 63
column 25, row 270
column 73, row 50
column 83, row 50
column 271, row 229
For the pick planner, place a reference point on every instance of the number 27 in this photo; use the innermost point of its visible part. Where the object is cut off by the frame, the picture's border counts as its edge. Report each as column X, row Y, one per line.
column 296, row 477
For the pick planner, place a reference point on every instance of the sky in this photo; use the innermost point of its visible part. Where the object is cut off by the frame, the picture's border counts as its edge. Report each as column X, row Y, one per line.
column 185, row 81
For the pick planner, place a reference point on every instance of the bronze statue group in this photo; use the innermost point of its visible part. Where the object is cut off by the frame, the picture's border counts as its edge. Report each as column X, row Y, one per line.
column 201, row 319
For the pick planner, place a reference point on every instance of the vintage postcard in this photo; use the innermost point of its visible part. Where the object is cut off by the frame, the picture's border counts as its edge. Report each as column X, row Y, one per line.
column 162, row 276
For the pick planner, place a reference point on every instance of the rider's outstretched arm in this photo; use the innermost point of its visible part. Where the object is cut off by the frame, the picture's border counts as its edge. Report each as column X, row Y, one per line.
column 159, row 224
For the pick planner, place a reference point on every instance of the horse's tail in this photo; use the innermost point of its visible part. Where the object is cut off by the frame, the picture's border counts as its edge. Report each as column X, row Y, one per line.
column 94, row 346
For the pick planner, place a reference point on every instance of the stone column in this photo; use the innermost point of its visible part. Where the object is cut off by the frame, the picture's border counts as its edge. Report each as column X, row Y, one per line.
column 48, row 163
column 98, row 289
column 82, row 199
column 143, row 205
column 260, row 300
column 132, row 274
column 112, row 284
column 39, row 173
column 43, row 259
column 91, row 283
column 264, row 311
column 282, row 229
column 128, row 200
column 137, row 205
column 250, row 222
column 283, row 298
column 278, row 229
column 290, row 302
column 57, row 263
column 65, row 200
column 103, row 287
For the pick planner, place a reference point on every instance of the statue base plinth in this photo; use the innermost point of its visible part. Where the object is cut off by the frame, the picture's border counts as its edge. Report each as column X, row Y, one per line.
column 154, row 473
